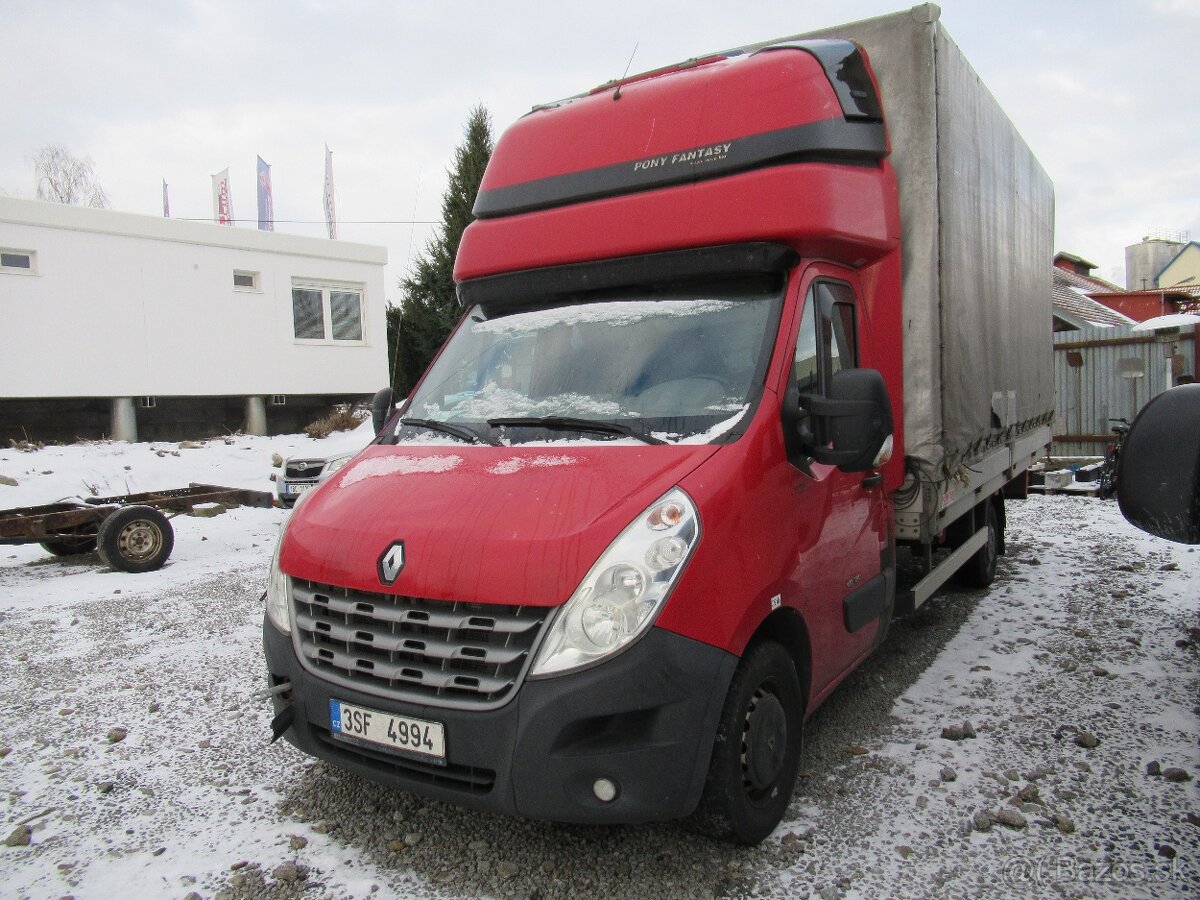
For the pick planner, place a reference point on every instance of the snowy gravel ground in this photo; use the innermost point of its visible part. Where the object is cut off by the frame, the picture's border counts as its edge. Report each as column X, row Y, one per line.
column 134, row 758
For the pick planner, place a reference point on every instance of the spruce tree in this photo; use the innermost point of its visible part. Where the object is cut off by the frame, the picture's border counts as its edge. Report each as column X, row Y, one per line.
column 429, row 305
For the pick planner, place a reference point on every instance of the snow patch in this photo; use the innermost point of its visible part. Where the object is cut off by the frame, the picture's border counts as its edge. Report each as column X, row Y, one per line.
column 384, row 466
column 517, row 463
column 706, row 437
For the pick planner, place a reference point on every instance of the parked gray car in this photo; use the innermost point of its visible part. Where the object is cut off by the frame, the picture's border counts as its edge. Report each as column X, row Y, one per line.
column 301, row 474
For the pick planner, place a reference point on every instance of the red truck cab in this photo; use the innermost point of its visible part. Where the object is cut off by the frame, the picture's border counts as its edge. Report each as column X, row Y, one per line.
column 634, row 524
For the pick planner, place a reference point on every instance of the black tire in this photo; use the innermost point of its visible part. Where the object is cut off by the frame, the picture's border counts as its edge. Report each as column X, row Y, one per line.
column 135, row 539
column 1158, row 487
column 70, row 546
column 980, row 570
column 757, row 751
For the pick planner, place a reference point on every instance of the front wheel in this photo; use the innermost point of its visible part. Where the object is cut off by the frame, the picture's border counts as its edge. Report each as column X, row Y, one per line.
column 135, row 539
column 757, row 750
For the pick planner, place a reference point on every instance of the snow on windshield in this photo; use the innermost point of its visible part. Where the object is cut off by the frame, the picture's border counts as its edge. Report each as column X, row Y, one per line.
column 493, row 402
column 706, row 437
column 616, row 313
column 678, row 364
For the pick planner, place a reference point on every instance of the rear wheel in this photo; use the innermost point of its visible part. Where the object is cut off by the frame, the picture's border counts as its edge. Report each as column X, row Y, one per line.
column 135, row 539
column 757, row 751
column 980, row 570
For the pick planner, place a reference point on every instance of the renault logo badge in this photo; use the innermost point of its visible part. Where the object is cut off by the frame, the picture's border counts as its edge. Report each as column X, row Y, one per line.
column 391, row 563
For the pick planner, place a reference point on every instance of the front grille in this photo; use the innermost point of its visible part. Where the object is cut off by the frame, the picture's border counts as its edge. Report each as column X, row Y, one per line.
column 303, row 468
column 435, row 652
column 460, row 778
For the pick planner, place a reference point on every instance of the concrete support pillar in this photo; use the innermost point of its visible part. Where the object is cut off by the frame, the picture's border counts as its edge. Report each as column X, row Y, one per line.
column 124, row 420
column 256, row 416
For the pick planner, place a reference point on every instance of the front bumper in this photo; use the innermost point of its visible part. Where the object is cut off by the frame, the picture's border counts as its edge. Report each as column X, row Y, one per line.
column 645, row 720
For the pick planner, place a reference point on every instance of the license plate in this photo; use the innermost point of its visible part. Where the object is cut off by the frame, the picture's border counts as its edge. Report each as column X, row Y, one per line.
column 405, row 733
column 295, row 488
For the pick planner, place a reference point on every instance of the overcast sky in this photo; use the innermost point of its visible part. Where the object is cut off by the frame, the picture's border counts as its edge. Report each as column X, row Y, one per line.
column 1104, row 92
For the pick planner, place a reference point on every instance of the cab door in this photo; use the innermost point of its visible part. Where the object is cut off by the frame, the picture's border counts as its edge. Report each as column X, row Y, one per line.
column 840, row 575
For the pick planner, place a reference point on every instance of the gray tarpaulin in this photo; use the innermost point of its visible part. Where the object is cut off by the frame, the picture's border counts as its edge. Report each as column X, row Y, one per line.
column 978, row 222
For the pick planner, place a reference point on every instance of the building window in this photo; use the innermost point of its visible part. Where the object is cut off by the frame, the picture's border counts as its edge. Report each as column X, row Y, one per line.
column 326, row 312
column 20, row 262
column 245, row 281
column 345, row 308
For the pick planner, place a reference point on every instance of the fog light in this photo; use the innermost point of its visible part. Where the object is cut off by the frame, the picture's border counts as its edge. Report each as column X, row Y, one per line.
column 605, row 790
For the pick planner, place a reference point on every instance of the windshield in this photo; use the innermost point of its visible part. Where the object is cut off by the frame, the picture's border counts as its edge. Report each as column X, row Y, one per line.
column 685, row 363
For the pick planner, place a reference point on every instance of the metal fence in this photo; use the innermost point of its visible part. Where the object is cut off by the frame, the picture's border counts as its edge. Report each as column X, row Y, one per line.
column 1110, row 373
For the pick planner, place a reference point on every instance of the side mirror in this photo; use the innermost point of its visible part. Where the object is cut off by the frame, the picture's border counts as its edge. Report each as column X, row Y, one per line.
column 850, row 427
column 381, row 408
column 1158, row 482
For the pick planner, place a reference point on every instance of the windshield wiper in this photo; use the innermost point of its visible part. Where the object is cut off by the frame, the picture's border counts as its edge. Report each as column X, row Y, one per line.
column 567, row 423
column 462, row 434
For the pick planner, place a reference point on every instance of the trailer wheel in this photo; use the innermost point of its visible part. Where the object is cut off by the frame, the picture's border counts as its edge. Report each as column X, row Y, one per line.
column 757, row 750
column 70, row 546
column 135, row 539
column 980, row 570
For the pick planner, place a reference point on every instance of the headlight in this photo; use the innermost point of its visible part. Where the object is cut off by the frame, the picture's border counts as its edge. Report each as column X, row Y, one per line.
column 279, row 589
column 625, row 590
column 334, row 464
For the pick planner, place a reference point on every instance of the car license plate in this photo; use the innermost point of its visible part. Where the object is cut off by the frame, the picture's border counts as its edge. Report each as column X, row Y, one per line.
column 289, row 488
column 405, row 733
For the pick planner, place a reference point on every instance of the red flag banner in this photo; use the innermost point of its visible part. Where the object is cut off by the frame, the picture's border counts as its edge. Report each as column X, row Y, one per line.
column 222, row 202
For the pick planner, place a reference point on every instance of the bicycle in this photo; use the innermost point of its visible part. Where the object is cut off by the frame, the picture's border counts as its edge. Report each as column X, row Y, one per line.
column 1111, row 467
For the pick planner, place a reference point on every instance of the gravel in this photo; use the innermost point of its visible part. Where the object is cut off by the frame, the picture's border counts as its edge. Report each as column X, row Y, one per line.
column 134, row 758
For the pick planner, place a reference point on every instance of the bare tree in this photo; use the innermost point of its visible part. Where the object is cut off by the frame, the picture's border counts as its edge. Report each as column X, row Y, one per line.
column 63, row 178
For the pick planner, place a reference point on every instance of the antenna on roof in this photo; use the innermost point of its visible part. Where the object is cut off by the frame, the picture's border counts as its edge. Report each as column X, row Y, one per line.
column 617, row 92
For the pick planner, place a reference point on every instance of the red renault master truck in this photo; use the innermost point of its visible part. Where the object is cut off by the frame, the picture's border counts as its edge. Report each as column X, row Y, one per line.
column 736, row 334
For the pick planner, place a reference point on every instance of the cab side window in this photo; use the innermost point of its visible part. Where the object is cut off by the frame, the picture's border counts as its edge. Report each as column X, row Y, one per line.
column 826, row 344
column 842, row 340
column 828, row 339
column 805, row 367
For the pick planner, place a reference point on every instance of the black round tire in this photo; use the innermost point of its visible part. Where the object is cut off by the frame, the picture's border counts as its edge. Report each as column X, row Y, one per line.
column 980, row 570
column 70, row 546
column 135, row 539
column 757, row 751
column 1158, row 485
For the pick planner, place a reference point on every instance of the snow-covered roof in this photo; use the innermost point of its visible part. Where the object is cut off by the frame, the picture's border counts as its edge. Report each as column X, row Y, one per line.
column 1073, row 305
column 42, row 214
column 1089, row 283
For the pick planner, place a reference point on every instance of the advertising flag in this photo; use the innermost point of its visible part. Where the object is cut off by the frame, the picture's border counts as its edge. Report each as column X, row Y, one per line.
column 266, row 203
column 222, row 203
column 330, row 214
column 166, row 205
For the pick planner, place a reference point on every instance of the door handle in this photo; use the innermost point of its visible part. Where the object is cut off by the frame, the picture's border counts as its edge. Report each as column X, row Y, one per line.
column 872, row 481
